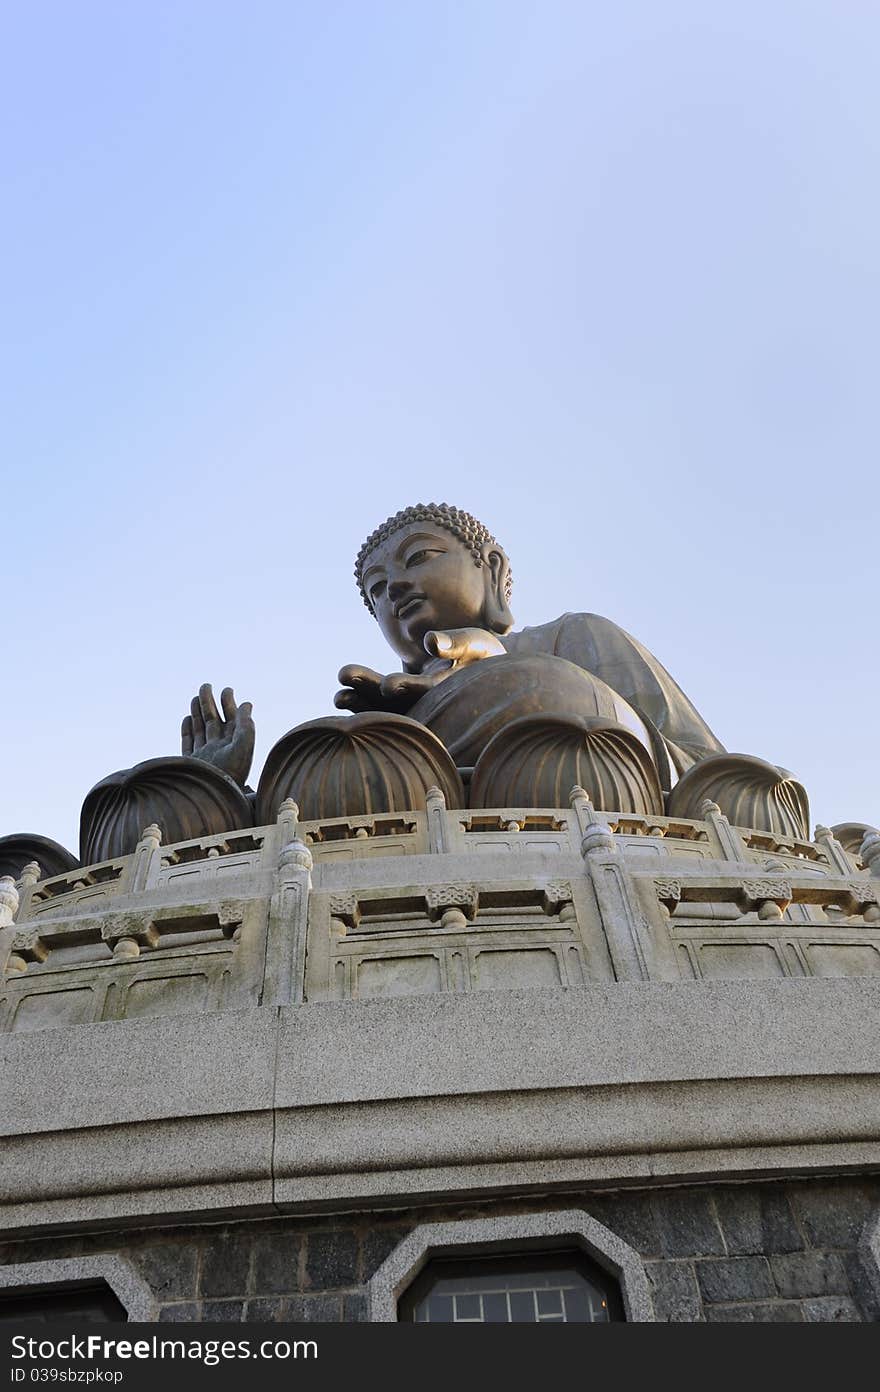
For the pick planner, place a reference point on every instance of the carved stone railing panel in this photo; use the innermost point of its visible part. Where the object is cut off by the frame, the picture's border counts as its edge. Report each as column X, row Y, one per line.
column 118, row 965
column 517, row 830
column 366, row 838
column 731, row 953
column 512, row 830
column 444, row 938
column 785, row 845
column 211, row 857
column 768, row 896
column 596, row 897
column 773, row 926
column 80, row 890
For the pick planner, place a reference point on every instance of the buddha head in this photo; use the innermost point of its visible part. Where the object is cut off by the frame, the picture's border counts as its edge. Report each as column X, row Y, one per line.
column 432, row 567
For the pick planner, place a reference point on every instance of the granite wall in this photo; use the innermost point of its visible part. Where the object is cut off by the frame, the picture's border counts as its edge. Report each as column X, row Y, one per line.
column 748, row 1252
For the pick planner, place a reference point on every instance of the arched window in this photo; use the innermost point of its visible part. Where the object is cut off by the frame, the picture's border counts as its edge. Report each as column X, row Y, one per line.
column 554, row 1267
column 103, row 1287
column 560, row 1287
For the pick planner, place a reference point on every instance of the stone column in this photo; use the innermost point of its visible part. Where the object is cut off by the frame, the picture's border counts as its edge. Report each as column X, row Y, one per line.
column 438, row 826
column 8, row 910
column 30, row 876
column 836, row 854
column 870, row 854
column 288, row 927
column 286, row 827
column 733, row 847
column 626, row 928
column 146, row 862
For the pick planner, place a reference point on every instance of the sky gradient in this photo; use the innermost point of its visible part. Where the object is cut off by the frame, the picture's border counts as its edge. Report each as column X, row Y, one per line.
column 604, row 275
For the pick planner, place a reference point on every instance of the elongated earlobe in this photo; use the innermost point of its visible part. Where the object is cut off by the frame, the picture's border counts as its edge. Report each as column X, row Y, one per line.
column 497, row 617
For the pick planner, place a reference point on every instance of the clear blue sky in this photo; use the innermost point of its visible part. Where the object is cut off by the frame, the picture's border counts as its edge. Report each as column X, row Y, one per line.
column 606, row 275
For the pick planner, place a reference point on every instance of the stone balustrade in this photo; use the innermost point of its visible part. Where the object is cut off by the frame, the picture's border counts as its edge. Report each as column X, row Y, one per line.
column 429, row 902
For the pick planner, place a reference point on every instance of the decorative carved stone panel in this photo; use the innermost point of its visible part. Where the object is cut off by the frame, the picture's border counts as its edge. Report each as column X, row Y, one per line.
column 445, row 938
column 165, row 959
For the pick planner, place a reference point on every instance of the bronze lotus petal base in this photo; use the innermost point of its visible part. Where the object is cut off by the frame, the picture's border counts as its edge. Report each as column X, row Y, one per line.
column 852, row 834
column 21, row 849
column 749, row 791
column 483, row 699
column 185, row 797
column 536, row 761
column 344, row 766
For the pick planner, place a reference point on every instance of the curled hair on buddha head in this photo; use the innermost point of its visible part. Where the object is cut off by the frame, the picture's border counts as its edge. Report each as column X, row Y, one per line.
column 468, row 531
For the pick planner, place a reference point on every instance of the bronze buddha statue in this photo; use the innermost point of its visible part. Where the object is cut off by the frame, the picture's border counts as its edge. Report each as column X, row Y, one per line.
column 492, row 716
column 439, row 586
column 520, row 715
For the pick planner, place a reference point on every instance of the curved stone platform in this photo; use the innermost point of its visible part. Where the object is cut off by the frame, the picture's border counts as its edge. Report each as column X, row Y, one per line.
column 436, row 902
column 436, row 1007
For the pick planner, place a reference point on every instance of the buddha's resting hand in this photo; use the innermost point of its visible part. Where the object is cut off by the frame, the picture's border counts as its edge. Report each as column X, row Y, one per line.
column 227, row 742
column 366, row 690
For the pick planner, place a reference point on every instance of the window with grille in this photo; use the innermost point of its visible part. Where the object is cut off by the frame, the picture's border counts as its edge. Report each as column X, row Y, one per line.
column 536, row 1288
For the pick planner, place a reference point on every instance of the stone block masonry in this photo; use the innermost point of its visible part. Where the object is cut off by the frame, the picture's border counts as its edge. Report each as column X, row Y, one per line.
column 791, row 1252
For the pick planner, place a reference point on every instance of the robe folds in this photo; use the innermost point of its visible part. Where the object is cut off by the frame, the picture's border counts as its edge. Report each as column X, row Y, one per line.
column 601, row 647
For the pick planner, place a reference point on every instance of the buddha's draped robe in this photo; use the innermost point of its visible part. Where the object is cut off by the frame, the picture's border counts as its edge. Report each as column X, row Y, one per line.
column 612, row 655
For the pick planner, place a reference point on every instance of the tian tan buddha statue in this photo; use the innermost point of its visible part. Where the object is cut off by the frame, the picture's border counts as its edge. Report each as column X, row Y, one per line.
column 494, row 717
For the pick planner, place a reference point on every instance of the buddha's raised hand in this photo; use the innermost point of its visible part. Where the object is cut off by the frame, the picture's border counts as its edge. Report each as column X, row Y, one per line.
column 366, row 690
column 225, row 741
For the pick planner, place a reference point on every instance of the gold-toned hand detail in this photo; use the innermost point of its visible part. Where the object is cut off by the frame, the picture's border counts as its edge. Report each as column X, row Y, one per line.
column 225, row 741
column 462, row 646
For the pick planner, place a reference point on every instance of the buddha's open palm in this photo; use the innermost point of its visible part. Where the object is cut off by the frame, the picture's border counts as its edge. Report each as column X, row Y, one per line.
column 366, row 690
column 225, row 741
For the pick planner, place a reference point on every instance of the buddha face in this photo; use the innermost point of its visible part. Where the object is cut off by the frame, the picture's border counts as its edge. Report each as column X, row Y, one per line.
column 422, row 578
